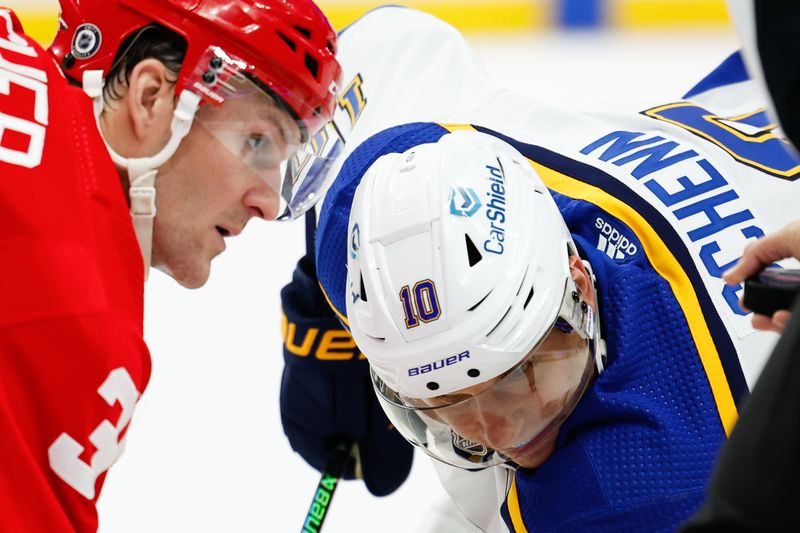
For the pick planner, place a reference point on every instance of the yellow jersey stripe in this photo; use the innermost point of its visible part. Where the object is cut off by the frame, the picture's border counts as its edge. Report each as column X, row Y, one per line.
column 514, row 510
column 669, row 268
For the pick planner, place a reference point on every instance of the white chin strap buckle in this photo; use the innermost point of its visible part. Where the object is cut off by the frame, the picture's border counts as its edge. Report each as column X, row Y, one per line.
column 143, row 201
column 142, row 196
column 142, row 171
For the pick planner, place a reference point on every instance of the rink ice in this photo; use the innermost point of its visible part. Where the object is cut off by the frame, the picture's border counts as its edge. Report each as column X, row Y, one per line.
column 205, row 451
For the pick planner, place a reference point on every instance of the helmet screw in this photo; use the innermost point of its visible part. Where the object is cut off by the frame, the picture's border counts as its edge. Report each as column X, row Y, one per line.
column 584, row 307
column 432, row 385
column 575, row 296
column 215, row 63
column 69, row 61
column 209, row 78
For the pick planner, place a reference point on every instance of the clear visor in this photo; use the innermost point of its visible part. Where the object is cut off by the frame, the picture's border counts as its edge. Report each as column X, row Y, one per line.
column 513, row 418
column 261, row 136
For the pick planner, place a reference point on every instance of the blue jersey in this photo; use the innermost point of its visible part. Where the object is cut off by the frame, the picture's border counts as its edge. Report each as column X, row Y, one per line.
column 637, row 451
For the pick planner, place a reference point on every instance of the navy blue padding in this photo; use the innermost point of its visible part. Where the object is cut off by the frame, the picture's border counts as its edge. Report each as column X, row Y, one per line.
column 732, row 70
column 331, row 241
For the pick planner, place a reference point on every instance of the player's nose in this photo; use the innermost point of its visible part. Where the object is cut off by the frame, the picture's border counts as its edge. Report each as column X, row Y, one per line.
column 262, row 200
column 495, row 429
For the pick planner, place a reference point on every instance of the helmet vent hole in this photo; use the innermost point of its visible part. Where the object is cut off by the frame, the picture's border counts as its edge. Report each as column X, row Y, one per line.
column 432, row 385
column 305, row 31
column 331, row 48
column 473, row 372
column 479, row 302
column 312, row 65
column 522, row 283
column 500, row 322
column 473, row 254
column 288, row 41
column 363, row 289
column 528, row 299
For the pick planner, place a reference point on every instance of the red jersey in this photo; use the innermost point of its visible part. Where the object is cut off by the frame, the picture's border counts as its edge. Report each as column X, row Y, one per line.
column 73, row 361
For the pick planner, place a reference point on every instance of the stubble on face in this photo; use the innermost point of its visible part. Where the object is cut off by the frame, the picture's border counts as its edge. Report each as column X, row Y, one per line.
column 192, row 191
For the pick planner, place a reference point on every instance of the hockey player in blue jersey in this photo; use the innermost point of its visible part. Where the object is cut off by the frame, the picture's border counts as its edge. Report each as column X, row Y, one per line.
column 456, row 276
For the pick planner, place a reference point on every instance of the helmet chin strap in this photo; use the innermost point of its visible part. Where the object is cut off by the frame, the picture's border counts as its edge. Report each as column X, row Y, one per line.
column 142, row 171
column 600, row 350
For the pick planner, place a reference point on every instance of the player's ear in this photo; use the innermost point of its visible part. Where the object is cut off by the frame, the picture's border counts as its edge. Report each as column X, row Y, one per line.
column 582, row 279
column 151, row 101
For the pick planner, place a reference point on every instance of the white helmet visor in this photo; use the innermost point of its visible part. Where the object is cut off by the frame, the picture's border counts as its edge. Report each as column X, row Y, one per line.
column 265, row 138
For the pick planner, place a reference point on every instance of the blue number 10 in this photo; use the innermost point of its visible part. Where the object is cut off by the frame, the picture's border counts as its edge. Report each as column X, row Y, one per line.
column 421, row 304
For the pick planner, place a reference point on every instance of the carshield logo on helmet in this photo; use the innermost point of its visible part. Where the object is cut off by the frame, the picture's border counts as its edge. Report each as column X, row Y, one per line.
column 496, row 210
column 463, row 202
column 86, row 41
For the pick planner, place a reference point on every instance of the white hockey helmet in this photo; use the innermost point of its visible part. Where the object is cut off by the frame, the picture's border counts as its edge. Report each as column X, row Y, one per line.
column 458, row 270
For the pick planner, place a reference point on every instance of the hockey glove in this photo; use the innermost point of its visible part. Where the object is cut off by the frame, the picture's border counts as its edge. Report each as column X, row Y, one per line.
column 326, row 392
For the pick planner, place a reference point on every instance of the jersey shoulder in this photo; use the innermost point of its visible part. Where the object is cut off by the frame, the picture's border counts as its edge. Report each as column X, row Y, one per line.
column 66, row 238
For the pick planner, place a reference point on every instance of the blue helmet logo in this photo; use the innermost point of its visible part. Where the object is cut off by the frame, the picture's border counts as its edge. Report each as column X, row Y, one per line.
column 463, row 202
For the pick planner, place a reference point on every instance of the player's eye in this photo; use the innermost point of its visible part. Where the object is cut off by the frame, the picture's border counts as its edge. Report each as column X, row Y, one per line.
column 261, row 152
column 447, row 399
column 257, row 142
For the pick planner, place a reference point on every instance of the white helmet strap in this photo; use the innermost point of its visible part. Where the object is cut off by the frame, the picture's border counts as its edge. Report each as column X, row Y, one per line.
column 600, row 350
column 142, row 171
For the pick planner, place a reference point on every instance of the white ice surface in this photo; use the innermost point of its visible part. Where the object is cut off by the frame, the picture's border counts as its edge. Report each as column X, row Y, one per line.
column 205, row 451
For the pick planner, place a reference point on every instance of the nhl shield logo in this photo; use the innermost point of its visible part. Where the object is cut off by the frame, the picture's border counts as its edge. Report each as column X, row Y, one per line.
column 86, row 41
column 466, row 445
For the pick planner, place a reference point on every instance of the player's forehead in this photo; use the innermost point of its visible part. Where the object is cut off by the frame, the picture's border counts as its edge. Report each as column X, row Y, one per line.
column 254, row 109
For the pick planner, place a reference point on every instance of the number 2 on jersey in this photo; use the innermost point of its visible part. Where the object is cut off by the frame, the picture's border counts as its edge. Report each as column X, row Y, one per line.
column 749, row 137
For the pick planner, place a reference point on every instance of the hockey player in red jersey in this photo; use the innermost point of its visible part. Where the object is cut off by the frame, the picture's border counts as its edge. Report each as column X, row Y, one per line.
column 210, row 103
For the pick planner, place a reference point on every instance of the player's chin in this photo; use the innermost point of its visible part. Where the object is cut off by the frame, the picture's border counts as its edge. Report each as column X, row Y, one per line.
column 194, row 281
column 191, row 272
column 534, row 456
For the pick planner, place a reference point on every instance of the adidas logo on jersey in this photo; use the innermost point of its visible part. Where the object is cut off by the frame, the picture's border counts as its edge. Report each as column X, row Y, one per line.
column 612, row 242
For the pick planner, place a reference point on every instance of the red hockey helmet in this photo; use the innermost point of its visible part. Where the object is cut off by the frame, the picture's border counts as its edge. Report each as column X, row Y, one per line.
column 287, row 45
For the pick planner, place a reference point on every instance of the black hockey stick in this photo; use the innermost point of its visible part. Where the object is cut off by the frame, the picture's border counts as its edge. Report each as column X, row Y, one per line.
column 334, row 470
